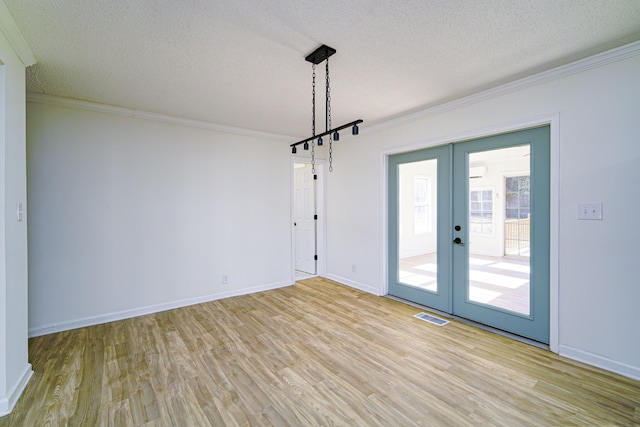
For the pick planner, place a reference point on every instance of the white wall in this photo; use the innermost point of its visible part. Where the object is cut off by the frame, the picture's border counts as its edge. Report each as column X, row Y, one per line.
column 599, row 154
column 130, row 216
column 15, row 370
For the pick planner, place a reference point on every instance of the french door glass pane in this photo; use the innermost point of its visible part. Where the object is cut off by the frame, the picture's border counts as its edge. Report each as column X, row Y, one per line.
column 417, row 224
column 499, row 232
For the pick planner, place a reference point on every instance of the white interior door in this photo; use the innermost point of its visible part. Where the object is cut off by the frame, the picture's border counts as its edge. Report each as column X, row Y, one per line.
column 304, row 222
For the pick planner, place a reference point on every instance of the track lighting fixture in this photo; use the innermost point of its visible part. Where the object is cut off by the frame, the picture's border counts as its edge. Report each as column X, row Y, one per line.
column 316, row 57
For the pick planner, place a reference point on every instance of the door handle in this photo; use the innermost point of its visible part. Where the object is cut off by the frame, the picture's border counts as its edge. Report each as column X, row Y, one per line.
column 458, row 241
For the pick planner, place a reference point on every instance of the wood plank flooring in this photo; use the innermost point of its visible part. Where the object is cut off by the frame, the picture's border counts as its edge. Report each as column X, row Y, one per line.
column 317, row 353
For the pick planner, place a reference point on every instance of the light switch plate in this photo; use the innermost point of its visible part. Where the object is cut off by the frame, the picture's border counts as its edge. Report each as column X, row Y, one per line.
column 590, row 211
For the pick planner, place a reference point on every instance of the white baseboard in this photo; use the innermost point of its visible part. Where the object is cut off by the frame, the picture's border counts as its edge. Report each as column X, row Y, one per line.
column 600, row 362
column 126, row 314
column 7, row 403
column 353, row 284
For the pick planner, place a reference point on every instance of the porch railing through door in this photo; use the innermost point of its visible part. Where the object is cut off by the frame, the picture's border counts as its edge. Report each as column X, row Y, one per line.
column 517, row 238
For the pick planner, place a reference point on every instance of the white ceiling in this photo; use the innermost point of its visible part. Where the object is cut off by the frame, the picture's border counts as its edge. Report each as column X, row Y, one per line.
column 241, row 62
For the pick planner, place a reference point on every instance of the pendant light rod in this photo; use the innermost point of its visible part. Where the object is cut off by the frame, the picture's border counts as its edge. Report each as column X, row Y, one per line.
column 316, row 57
column 355, row 122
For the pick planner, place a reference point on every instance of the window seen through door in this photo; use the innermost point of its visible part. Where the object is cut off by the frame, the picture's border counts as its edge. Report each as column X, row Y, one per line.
column 481, row 211
column 421, row 205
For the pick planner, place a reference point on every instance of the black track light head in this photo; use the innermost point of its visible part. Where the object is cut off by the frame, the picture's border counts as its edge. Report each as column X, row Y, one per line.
column 320, row 143
column 336, row 136
column 306, row 146
column 294, row 150
column 354, row 130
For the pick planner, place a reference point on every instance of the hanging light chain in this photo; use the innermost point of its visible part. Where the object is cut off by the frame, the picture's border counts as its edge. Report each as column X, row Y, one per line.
column 329, row 117
column 313, row 101
column 313, row 122
column 318, row 56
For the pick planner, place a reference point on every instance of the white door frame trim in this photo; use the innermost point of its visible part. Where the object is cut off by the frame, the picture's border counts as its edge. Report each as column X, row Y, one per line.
column 553, row 120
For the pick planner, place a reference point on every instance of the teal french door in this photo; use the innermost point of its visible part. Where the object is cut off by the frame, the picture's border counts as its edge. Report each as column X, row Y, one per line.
column 469, row 230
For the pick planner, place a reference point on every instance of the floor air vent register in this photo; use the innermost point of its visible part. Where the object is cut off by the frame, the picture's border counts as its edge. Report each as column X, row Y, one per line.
column 431, row 319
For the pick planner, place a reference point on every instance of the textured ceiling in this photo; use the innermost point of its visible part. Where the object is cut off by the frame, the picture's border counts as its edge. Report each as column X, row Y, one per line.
column 241, row 62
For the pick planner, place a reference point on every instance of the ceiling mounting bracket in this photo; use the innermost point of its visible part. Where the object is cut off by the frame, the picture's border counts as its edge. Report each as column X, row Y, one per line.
column 320, row 54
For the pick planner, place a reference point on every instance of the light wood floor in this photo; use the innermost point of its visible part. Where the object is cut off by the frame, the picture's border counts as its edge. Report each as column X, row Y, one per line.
column 317, row 353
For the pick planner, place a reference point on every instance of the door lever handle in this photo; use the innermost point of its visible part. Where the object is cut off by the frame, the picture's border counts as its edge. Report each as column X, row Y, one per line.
column 458, row 241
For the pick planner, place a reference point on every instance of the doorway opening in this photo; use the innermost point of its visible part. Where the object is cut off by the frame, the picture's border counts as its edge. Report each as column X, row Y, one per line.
column 468, row 230
column 307, row 200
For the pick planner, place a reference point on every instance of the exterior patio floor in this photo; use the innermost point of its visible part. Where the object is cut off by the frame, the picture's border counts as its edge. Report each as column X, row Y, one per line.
column 498, row 281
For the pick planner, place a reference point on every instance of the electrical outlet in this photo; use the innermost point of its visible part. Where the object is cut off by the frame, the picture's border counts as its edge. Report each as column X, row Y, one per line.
column 225, row 279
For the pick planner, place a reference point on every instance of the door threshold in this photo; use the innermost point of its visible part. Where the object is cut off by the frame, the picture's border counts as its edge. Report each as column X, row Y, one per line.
column 472, row 323
column 303, row 275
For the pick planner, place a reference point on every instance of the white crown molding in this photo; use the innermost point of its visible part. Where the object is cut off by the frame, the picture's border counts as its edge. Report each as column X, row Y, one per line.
column 10, row 30
column 40, row 98
column 591, row 62
column 613, row 55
